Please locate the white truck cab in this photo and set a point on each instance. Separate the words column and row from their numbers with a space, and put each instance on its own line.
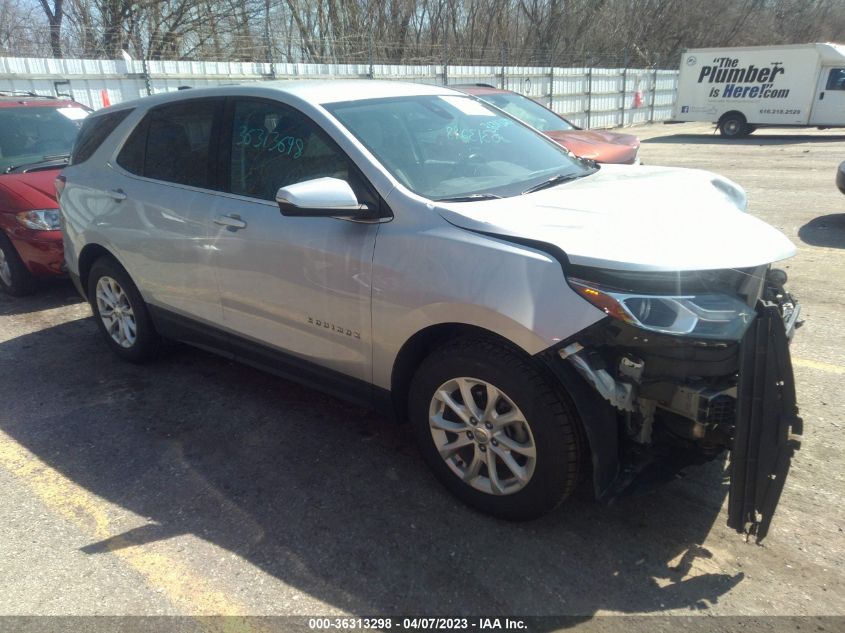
column 740, row 89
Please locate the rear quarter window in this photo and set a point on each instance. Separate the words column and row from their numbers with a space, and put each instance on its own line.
column 95, row 130
column 131, row 156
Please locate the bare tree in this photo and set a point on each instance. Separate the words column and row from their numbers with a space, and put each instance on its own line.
column 16, row 28
column 560, row 32
column 54, row 19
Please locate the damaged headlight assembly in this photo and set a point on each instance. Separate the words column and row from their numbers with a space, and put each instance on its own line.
column 703, row 316
column 692, row 364
column 699, row 309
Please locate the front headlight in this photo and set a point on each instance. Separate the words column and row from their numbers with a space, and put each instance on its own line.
column 708, row 316
column 40, row 219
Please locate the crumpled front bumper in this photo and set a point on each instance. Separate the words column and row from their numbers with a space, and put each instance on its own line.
column 753, row 414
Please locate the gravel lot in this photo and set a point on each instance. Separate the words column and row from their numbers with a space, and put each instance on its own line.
column 199, row 486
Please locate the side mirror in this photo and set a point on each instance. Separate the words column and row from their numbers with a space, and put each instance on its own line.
column 320, row 198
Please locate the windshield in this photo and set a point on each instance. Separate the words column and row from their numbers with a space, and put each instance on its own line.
column 454, row 146
column 33, row 134
column 528, row 110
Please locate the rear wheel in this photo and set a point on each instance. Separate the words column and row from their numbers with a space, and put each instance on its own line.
column 15, row 279
column 121, row 313
column 494, row 430
column 734, row 125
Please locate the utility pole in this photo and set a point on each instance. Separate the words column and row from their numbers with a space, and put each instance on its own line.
column 504, row 63
column 268, row 47
column 589, row 62
column 370, row 56
column 445, row 53
column 653, row 88
column 624, row 87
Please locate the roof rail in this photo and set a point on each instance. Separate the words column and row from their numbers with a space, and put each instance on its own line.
column 476, row 85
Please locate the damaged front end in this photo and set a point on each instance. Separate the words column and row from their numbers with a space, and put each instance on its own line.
column 690, row 365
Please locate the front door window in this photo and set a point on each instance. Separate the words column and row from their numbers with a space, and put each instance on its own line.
column 274, row 146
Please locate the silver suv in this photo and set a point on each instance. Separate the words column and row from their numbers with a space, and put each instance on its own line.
column 539, row 320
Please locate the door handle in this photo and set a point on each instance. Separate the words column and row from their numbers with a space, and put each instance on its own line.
column 231, row 222
column 821, row 96
column 118, row 195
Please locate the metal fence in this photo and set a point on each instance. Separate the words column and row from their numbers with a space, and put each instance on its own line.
column 589, row 97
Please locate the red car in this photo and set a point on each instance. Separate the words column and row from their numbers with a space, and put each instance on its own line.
column 601, row 146
column 36, row 135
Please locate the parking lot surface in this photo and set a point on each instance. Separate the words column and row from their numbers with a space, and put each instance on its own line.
column 195, row 485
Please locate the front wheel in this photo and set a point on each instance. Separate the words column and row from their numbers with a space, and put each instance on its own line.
column 495, row 431
column 121, row 313
column 15, row 279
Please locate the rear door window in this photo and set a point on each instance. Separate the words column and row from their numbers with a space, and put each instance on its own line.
column 175, row 143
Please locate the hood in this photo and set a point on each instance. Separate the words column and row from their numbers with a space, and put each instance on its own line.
column 634, row 218
column 33, row 190
column 604, row 147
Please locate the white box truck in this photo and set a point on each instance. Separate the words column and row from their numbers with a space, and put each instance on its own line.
column 741, row 89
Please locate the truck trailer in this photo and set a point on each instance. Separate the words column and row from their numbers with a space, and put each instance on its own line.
column 741, row 89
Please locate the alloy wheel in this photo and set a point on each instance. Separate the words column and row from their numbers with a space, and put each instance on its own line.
column 482, row 436
column 116, row 312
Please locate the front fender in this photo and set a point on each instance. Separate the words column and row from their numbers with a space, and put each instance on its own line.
column 449, row 275
column 386, row 349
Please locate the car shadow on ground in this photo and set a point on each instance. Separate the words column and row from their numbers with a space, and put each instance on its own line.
column 755, row 139
column 49, row 294
column 334, row 500
column 825, row 230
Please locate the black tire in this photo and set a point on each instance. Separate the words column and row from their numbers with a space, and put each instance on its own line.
column 551, row 417
column 734, row 125
column 19, row 281
column 147, row 344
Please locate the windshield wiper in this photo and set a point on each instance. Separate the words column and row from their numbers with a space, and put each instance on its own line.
column 472, row 197
column 556, row 180
column 56, row 158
